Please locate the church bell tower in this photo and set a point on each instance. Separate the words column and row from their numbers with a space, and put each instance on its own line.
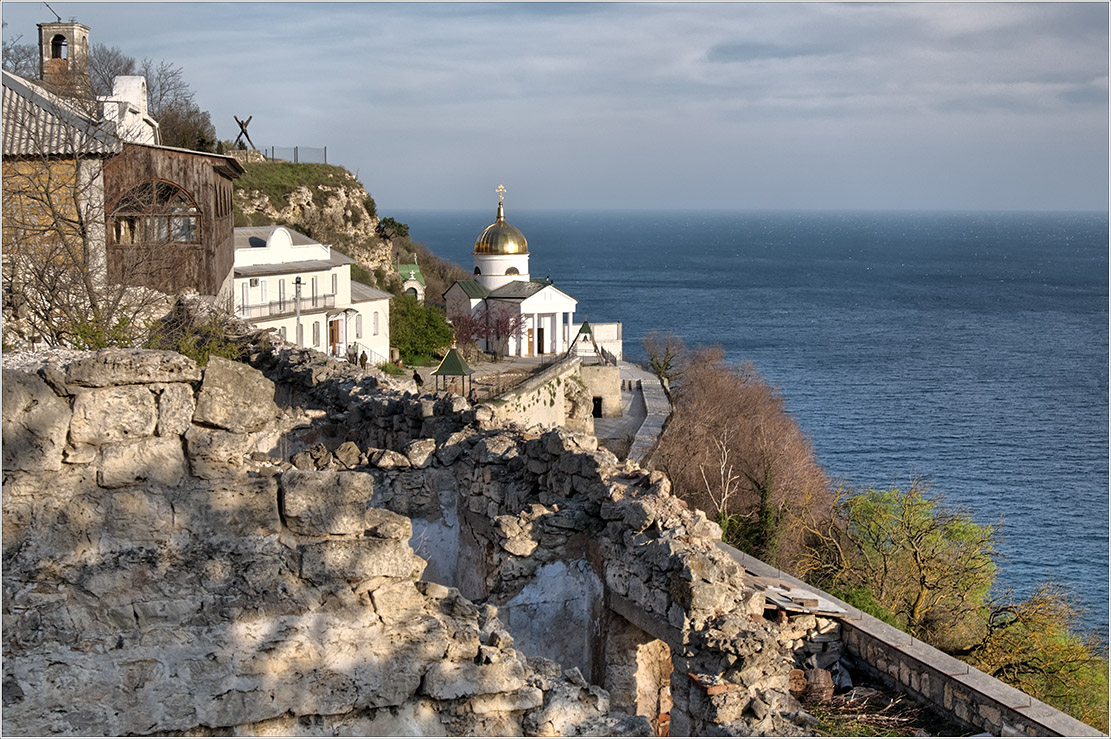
column 64, row 56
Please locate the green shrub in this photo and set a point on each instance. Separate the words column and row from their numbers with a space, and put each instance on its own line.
column 197, row 340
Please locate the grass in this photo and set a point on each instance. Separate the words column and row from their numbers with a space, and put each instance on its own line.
column 277, row 179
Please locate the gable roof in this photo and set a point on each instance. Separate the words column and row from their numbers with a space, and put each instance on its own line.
column 517, row 290
column 361, row 293
column 473, row 289
column 39, row 123
column 411, row 271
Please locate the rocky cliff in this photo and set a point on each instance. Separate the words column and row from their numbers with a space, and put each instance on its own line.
column 325, row 202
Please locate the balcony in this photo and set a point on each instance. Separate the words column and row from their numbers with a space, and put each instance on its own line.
column 287, row 307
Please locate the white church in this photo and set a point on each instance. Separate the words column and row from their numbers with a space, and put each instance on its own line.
column 502, row 287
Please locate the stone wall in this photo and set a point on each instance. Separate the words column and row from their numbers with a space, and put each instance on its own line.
column 555, row 396
column 604, row 382
column 308, row 551
column 951, row 687
column 164, row 573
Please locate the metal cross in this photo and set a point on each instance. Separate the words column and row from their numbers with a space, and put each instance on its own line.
column 501, row 193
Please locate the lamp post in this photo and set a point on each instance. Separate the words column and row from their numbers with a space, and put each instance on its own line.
column 297, row 308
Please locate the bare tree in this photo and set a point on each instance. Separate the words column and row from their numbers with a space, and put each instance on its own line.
column 729, row 421
column 665, row 354
column 21, row 59
column 56, row 282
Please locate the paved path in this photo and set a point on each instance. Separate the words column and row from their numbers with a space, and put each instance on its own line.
column 644, row 409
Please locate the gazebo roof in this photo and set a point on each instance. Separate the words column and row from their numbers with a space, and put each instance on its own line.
column 453, row 364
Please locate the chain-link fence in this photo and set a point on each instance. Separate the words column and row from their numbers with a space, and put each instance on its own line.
column 298, row 154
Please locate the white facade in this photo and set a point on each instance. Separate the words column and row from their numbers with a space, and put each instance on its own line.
column 287, row 282
column 127, row 108
column 495, row 270
column 548, row 325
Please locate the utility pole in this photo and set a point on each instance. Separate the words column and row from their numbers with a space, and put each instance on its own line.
column 297, row 307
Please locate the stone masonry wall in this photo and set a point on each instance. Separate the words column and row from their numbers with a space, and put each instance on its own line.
column 164, row 573
column 217, row 551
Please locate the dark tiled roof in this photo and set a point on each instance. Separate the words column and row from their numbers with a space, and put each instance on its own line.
column 473, row 289
column 517, row 290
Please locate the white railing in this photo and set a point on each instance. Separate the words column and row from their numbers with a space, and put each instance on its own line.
column 286, row 307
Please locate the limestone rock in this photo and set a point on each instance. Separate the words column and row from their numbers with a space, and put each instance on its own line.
column 159, row 460
column 111, row 414
column 387, row 459
column 419, row 452
column 131, row 367
column 176, row 405
column 235, row 397
column 323, row 503
column 447, row 680
column 355, row 560
column 348, row 454
column 35, row 425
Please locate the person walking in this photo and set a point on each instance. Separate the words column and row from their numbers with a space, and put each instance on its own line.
column 418, row 379
column 362, row 360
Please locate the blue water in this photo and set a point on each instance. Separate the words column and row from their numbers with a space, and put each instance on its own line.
column 969, row 349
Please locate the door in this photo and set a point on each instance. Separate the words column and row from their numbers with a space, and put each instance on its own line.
column 333, row 337
column 528, row 351
column 540, row 340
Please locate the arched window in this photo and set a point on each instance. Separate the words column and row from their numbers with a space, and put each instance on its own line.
column 512, row 271
column 58, row 47
column 477, row 271
column 411, row 291
column 155, row 212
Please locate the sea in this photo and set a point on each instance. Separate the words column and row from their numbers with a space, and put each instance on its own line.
column 967, row 350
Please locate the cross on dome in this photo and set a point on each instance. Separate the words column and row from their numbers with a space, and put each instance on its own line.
column 501, row 193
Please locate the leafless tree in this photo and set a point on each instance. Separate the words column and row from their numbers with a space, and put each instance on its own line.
column 729, row 421
column 56, row 282
column 665, row 353
column 21, row 59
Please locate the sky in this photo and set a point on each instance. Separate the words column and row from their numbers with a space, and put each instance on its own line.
column 745, row 106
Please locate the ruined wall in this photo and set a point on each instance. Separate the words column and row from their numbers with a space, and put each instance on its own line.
column 164, row 573
column 553, row 397
column 187, row 552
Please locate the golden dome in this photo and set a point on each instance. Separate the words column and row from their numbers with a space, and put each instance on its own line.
column 500, row 238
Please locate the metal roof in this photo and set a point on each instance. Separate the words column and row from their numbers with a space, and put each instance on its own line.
column 361, row 293
column 283, row 268
column 453, row 364
column 257, row 236
column 517, row 290
column 39, row 123
column 473, row 289
column 411, row 271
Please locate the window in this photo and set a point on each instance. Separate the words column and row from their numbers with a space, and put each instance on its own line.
column 359, row 326
column 375, row 323
column 335, row 283
column 245, row 295
column 512, row 271
column 58, row 47
column 155, row 212
column 477, row 271
column 316, row 333
column 300, row 335
column 314, row 290
column 281, row 291
column 262, row 291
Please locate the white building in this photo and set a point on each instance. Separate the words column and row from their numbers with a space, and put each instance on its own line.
column 286, row 281
column 502, row 287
